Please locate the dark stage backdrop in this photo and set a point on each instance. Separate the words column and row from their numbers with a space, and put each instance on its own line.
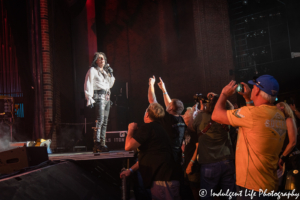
column 186, row 43
column 16, row 77
column 265, row 35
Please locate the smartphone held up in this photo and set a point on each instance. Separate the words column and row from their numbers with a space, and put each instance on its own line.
column 240, row 88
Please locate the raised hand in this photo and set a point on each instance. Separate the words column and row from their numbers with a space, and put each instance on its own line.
column 247, row 92
column 229, row 89
column 152, row 80
column 161, row 85
column 211, row 95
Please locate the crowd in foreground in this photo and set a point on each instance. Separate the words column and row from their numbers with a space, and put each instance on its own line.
column 216, row 156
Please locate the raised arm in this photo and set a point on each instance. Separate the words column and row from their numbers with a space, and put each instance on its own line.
column 162, row 86
column 219, row 114
column 151, row 91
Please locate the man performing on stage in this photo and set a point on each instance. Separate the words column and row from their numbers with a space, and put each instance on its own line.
column 98, row 81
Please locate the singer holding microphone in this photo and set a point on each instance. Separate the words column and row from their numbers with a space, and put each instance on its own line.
column 98, row 81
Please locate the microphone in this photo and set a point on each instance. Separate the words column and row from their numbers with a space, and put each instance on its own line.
column 108, row 69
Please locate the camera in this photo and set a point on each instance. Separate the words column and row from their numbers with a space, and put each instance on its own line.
column 200, row 97
column 240, row 88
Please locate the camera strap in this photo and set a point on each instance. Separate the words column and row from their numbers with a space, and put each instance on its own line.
column 225, row 127
column 206, row 128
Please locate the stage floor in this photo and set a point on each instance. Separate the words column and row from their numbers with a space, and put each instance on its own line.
column 90, row 155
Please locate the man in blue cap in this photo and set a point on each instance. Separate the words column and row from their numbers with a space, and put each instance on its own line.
column 262, row 131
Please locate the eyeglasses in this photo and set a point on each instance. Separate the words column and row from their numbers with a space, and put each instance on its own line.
column 255, row 81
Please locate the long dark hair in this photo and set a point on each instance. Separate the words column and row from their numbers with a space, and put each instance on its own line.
column 96, row 56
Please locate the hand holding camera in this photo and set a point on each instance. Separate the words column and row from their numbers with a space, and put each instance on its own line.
column 229, row 89
column 244, row 90
column 210, row 95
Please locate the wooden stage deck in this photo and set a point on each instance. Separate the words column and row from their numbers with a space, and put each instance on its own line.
column 90, row 155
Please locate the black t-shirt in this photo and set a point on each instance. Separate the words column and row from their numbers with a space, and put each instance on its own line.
column 155, row 156
column 190, row 138
column 175, row 128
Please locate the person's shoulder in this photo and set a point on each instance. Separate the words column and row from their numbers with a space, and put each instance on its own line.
column 93, row 69
column 242, row 112
column 155, row 123
column 157, row 126
column 245, row 109
column 205, row 114
column 167, row 116
column 267, row 108
column 273, row 110
column 199, row 114
column 145, row 125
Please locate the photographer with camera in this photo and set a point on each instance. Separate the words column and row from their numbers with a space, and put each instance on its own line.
column 262, row 129
column 216, row 155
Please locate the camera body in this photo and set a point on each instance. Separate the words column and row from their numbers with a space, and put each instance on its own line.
column 200, row 97
column 240, row 88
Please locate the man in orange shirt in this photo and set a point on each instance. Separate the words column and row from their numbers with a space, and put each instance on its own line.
column 262, row 131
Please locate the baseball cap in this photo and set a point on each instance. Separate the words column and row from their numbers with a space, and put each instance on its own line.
column 266, row 83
